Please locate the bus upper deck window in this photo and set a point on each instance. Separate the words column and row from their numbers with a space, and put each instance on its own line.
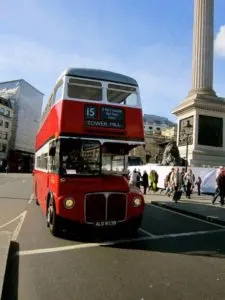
column 85, row 89
column 122, row 94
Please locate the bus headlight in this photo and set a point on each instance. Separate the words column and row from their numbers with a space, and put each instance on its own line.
column 137, row 202
column 69, row 203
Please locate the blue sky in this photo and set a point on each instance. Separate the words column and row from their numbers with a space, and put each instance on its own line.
column 150, row 40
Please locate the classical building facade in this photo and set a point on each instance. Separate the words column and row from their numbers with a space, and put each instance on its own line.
column 202, row 110
column 158, row 132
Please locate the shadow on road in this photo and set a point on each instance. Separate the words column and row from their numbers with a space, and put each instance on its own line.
column 10, row 287
column 209, row 245
column 96, row 236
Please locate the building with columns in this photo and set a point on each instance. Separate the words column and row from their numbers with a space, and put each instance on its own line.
column 203, row 111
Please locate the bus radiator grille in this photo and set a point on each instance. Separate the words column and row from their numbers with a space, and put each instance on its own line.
column 116, row 207
column 105, row 207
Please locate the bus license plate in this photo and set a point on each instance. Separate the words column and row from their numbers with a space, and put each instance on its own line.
column 105, row 223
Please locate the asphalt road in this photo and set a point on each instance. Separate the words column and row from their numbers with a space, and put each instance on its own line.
column 172, row 257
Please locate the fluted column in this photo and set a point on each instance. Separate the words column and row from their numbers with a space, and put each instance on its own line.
column 202, row 61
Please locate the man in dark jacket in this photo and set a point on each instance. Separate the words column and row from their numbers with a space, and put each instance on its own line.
column 221, row 186
column 145, row 181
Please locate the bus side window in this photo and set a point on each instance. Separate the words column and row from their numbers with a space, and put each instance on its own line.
column 58, row 94
column 54, row 157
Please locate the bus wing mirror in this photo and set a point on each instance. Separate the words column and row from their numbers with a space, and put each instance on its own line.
column 52, row 151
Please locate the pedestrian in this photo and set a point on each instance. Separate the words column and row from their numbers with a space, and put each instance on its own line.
column 221, row 186
column 177, row 186
column 145, row 181
column 189, row 180
column 171, row 182
column 138, row 181
column 217, row 191
column 133, row 177
column 182, row 180
column 198, row 183
column 177, row 180
column 7, row 169
column 153, row 180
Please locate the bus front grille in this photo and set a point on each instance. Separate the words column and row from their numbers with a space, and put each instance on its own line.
column 95, row 208
column 116, row 207
column 105, row 207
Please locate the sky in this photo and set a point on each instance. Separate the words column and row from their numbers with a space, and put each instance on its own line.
column 150, row 40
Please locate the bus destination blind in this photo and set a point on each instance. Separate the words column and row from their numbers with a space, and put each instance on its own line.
column 104, row 116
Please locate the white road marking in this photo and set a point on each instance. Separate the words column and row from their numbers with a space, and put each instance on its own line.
column 175, row 235
column 110, row 243
column 19, row 226
column 146, row 232
column 187, row 216
column 79, row 246
column 11, row 221
column 31, row 199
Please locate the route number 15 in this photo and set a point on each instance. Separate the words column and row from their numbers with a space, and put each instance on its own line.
column 90, row 112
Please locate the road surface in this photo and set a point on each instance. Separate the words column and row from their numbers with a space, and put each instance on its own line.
column 172, row 256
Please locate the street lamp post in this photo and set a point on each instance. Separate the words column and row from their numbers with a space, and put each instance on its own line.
column 188, row 132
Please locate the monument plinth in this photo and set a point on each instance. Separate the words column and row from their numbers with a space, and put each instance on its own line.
column 202, row 108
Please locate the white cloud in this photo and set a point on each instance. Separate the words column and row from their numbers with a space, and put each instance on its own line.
column 163, row 73
column 220, row 42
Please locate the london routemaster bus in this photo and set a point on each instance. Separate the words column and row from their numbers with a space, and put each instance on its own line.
column 92, row 120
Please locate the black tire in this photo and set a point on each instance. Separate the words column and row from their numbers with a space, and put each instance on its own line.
column 53, row 221
column 35, row 195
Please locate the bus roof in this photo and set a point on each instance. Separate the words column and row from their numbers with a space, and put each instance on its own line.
column 100, row 75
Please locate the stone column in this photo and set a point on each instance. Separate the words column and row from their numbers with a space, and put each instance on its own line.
column 202, row 61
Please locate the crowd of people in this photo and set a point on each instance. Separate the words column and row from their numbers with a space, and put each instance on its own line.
column 177, row 182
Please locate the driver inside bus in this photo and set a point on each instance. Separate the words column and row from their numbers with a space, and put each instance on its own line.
column 74, row 160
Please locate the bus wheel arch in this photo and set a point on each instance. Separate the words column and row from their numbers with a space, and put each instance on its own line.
column 53, row 221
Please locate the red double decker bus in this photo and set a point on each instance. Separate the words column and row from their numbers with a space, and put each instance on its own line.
column 92, row 120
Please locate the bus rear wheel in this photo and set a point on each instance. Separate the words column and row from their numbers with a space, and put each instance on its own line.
column 52, row 219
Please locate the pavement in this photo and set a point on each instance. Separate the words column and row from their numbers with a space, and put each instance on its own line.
column 5, row 238
column 198, row 206
column 173, row 256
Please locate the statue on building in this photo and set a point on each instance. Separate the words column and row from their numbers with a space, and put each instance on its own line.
column 171, row 155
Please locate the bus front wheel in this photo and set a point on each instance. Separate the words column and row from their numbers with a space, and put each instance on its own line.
column 52, row 219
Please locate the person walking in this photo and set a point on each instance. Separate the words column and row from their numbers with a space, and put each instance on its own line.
column 217, row 191
column 221, row 186
column 153, row 180
column 177, row 185
column 145, row 181
column 198, row 183
column 133, row 177
column 189, row 183
column 171, row 182
column 138, row 181
column 182, row 180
